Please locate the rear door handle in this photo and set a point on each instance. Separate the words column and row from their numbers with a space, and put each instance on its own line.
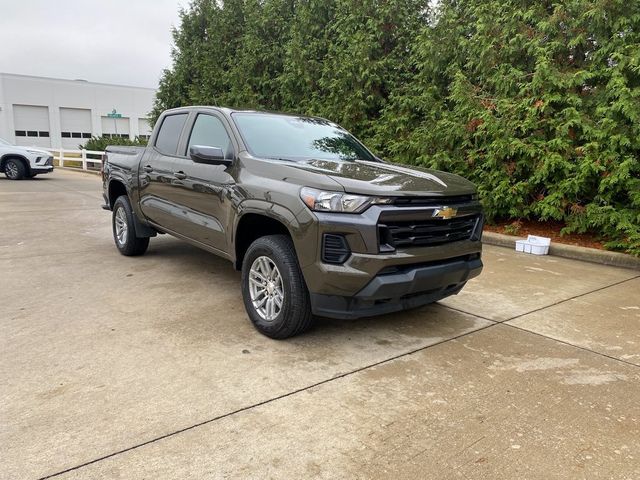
column 180, row 175
column 148, row 168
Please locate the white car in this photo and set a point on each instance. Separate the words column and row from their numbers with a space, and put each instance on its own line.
column 23, row 162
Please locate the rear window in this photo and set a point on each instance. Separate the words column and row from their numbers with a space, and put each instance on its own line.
column 169, row 134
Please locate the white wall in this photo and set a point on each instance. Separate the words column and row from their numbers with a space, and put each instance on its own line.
column 64, row 99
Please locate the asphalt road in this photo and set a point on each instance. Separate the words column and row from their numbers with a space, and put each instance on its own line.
column 131, row 368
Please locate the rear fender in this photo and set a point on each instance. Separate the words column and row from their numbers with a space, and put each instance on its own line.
column 142, row 228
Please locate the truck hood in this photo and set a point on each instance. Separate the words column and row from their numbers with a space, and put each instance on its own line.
column 388, row 179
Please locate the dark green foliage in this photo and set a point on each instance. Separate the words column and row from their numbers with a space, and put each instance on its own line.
column 99, row 144
column 538, row 102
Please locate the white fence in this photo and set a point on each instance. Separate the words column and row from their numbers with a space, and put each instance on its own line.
column 86, row 157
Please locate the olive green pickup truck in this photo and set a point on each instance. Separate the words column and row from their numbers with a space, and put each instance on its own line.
column 318, row 225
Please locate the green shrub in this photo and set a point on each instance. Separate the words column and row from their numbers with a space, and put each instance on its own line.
column 537, row 102
column 101, row 143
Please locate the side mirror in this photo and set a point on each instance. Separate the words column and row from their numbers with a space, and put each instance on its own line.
column 210, row 155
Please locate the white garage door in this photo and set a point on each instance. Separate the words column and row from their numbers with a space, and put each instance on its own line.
column 31, row 124
column 115, row 127
column 144, row 129
column 75, row 126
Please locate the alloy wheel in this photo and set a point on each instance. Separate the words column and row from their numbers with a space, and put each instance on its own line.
column 265, row 288
column 121, row 226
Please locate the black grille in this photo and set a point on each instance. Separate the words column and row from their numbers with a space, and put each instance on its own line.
column 49, row 161
column 428, row 201
column 334, row 249
column 418, row 233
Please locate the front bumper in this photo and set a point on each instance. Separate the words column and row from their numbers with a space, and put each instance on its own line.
column 44, row 169
column 409, row 287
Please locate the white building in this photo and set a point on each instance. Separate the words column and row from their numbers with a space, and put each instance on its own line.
column 56, row 113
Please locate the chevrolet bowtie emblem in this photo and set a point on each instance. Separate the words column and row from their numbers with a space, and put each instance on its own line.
column 445, row 212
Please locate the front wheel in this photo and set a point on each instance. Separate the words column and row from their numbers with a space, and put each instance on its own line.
column 273, row 288
column 14, row 169
column 124, row 229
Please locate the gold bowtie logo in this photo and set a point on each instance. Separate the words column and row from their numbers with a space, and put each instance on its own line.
column 445, row 212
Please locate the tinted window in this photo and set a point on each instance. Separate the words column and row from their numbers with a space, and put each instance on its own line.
column 210, row 132
column 169, row 134
column 298, row 138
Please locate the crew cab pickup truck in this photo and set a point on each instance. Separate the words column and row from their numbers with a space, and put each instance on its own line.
column 318, row 225
column 23, row 162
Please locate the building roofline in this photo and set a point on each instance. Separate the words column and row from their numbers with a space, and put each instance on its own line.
column 75, row 82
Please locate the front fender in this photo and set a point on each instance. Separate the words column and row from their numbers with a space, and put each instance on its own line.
column 301, row 225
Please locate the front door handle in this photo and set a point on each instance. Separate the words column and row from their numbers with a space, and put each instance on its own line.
column 180, row 175
column 148, row 168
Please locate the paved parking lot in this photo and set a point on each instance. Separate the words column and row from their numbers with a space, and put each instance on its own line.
column 131, row 368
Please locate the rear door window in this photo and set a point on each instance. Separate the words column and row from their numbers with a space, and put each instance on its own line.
column 169, row 134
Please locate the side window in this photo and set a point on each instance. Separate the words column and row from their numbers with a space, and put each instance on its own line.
column 209, row 131
column 169, row 134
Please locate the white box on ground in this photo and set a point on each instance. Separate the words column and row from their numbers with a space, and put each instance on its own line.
column 534, row 245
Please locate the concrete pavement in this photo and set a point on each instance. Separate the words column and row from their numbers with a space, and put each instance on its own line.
column 115, row 367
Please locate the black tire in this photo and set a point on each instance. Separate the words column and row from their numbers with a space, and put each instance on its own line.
column 15, row 169
column 128, row 243
column 294, row 316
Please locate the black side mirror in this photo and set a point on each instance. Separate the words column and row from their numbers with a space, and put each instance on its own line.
column 210, row 155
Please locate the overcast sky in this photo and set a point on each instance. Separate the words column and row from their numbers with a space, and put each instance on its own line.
column 126, row 42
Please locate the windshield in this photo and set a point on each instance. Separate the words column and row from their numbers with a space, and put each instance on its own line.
column 298, row 138
column 4, row 142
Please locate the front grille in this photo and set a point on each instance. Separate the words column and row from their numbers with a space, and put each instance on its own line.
column 334, row 249
column 49, row 161
column 420, row 233
column 429, row 201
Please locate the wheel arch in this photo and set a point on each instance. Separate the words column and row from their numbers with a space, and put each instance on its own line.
column 116, row 188
column 15, row 156
column 253, row 224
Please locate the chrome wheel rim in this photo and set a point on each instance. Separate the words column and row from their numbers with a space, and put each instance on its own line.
column 121, row 226
column 265, row 288
column 12, row 169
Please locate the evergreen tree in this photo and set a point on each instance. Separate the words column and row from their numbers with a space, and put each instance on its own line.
column 537, row 102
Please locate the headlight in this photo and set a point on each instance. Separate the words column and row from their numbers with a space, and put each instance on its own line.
column 321, row 201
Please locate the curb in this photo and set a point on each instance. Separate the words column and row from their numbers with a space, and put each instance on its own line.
column 74, row 169
column 604, row 257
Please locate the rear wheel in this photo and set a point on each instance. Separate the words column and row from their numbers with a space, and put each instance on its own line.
column 124, row 229
column 15, row 169
column 273, row 288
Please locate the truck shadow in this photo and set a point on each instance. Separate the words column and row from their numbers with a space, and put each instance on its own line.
column 432, row 323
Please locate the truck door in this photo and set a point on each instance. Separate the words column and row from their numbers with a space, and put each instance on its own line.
column 156, row 172
column 199, row 190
